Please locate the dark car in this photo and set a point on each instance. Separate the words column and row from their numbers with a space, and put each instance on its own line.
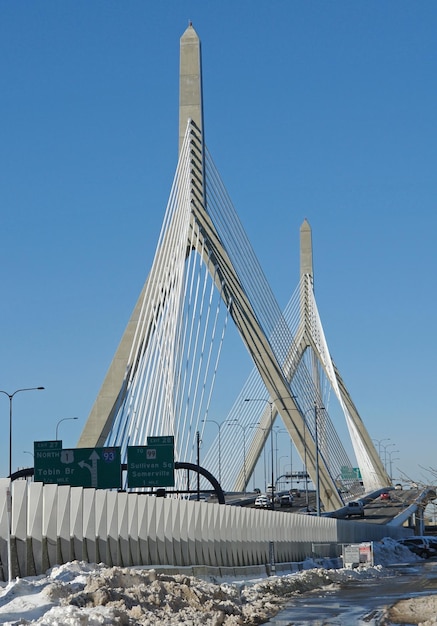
column 432, row 541
column 424, row 547
column 286, row 500
column 355, row 508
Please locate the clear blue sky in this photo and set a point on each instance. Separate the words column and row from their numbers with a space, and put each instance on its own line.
column 317, row 110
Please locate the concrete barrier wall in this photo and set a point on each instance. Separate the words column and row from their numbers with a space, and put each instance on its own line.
column 53, row 524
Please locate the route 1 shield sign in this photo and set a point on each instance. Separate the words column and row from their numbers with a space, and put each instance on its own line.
column 78, row 467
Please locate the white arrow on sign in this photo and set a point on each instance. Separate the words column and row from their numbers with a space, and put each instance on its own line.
column 94, row 457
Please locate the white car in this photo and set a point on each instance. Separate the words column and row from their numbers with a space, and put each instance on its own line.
column 262, row 502
column 424, row 547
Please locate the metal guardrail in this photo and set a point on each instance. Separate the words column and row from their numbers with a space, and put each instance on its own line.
column 420, row 502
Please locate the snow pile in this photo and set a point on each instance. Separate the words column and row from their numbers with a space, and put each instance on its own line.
column 421, row 611
column 388, row 552
column 83, row 594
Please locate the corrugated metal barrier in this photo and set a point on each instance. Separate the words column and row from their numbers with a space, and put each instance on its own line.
column 53, row 524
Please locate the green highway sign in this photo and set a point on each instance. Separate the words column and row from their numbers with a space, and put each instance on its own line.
column 47, row 455
column 350, row 473
column 166, row 440
column 357, row 472
column 151, row 465
column 47, row 445
column 80, row 467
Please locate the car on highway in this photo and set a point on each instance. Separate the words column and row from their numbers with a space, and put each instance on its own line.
column 355, row 508
column 308, row 510
column 432, row 541
column 424, row 547
column 286, row 500
column 385, row 495
column 262, row 502
column 276, row 498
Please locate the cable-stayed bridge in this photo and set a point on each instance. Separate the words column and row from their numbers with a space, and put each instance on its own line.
column 205, row 277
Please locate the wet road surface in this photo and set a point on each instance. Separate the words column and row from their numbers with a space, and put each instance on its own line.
column 359, row 603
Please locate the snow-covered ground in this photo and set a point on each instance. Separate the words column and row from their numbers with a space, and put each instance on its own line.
column 82, row 594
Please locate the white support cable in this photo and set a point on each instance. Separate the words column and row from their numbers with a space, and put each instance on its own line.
column 361, row 452
column 175, row 359
column 328, row 439
column 206, row 352
column 241, row 253
column 196, row 391
column 219, row 350
column 140, row 356
column 159, row 260
column 187, row 316
column 193, row 344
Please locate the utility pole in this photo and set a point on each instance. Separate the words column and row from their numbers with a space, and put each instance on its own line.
column 198, row 465
column 317, row 460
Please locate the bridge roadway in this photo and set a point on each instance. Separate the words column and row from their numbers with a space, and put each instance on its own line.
column 380, row 511
column 376, row 510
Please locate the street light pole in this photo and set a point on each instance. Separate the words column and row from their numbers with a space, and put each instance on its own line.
column 316, row 442
column 63, row 420
column 219, row 447
column 271, row 441
column 379, row 442
column 305, row 460
column 198, row 464
column 11, row 396
column 391, row 462
column 389, row 445
column 276, row 431
column 317, row 460
column 264, row 455
column 243, row 428
column 279, row 471
column 278, row 463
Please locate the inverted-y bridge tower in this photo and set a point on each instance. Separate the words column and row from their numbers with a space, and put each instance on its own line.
column 316, row 382
column 162, row 376
column 311, row 337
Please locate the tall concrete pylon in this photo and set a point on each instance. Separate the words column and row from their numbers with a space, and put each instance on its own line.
column 309, row 336
column 113, row 389
column 365, row 451
column 205, row 239
column 190, row 83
